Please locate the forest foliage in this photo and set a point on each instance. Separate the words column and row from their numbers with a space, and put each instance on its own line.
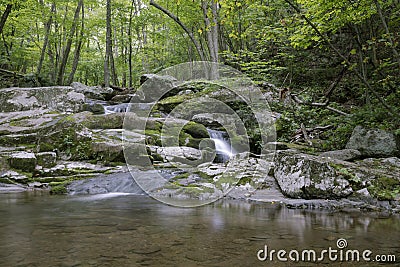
column 344, row 53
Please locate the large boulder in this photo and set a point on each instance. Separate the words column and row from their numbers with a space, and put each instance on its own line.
column 154, row 86
column 60, row 98
column 374, row 142
column 108, row 151
column 306, row 176
column 176, row 154
column 92, row 92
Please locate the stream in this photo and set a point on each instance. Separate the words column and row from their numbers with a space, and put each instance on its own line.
column 131, row 229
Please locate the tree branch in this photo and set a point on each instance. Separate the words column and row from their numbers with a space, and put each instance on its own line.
column 5, row 16
column 346, row 60
column 315, row 104
column 177, row 20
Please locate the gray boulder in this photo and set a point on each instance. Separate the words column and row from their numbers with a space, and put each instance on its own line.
column 154, row 86
column 60, row 98
column 344, row 154
column 176, row 154
column 306, row 176
column 374, row 142
column 92, row 92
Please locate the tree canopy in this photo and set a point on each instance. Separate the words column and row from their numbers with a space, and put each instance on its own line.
column 343, row 50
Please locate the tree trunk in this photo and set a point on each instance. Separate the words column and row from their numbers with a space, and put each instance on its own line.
column 5, row 16
column 61, row 71
column 183, row 26
column 385, row 26
column 78, row 48
column 108, row 46
column 46, row 39
column 114, row 47
column 211, row 29
column 211, row 70
column 130, row 48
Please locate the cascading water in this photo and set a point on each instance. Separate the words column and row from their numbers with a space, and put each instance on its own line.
column 223, row 148
column 120, row 108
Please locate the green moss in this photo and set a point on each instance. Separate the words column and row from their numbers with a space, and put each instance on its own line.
column 46, row 147
column 196, row 130
column 6, row 181
column 154, row 125
column 157, row 157
column 194, row 191
column 385, row 188
column 153, row 137
column 302, row 148
column 204, row 176
column 181, row 176
column 245, row 180
column 354, row 181
column 58, row 190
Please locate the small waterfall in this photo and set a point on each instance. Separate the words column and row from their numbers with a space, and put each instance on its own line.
column 120, row 108
column 223, row 148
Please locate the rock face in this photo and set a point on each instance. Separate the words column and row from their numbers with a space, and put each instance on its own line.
column 307, row 176
column 154, row 85
column 374, row 142
column 60, row 98
column 93, row 92
column 176, row 154
column 344, row 154
column 46, row 159
column 24, row 161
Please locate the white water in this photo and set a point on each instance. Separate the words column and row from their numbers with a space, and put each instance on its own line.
column 223, row 148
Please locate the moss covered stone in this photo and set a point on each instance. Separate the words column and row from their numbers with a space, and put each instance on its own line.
column 196, row 130
column 385, row 188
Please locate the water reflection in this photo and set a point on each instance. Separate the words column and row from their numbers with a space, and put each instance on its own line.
column 129, row 230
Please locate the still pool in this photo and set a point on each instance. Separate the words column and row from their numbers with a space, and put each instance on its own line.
column 37, row 229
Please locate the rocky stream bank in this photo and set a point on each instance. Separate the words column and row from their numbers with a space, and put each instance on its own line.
column 71, row 140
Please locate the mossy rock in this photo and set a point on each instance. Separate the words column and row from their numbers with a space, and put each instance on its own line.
column 95, row 108
column 153, row 137
column 109, row 121
column 196, row 130
column 59, row 189
column 385, row 188
column 154, row 125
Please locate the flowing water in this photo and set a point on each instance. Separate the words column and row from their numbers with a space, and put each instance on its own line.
column 122, row 229
column 223, row 147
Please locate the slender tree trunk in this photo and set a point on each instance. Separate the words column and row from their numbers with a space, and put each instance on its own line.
column 61, row 71
column 78, row 48
column 5, row 16
column 211, row 28
column 215, row 30
column 183, row 26
column 108, row 46
column 212, row 37
column 46, row 39
column 130, row 48
column 114, row 55
column 392, row 45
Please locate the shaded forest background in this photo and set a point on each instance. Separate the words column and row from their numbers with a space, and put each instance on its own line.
column 336, row 62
